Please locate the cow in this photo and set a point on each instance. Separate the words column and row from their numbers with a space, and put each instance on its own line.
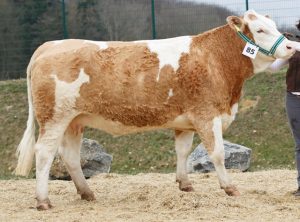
column 187, row 84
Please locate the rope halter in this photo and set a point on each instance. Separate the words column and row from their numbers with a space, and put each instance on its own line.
column 270, row 52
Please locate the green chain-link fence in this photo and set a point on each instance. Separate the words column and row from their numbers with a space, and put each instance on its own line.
column 24, row 25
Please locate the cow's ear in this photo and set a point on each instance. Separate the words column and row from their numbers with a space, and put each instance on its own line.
column 236, row 22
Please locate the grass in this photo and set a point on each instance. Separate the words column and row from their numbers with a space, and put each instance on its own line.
column 13, row 117
column 263, row 128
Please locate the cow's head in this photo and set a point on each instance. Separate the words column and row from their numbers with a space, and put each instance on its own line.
column 264, row 32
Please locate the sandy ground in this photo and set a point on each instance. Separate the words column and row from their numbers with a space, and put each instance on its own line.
column 266, row 196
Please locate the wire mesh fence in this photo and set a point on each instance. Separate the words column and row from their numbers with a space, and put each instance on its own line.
column 24, row 25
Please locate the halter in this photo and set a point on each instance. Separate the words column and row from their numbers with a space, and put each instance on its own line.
column 270, row 52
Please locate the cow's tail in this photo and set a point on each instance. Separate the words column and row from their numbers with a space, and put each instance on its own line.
column 25, row 150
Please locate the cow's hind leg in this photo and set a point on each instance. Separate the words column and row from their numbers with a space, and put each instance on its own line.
column 211, row 134
column 183, row 144
column 45, row 150
column 70, row 153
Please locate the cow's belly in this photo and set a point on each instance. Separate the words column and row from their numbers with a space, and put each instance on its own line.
column 116, row 128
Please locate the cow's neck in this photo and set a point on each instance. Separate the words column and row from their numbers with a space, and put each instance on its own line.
column 220, row 51
column 261, row 62
column 223, row 49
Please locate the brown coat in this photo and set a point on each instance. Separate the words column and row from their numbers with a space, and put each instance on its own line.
column 189, row 83
column 122, row 83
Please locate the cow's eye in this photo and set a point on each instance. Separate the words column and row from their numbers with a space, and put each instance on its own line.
column 260, row 31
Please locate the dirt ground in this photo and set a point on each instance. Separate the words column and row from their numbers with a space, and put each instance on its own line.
column 266, row 196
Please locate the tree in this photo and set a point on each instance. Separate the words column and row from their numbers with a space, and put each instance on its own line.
column 30, row 11
column 28, row 23
column 176, row 18
column 126, row 20
column 49, row 24
column 11, row 60
column 89, row 25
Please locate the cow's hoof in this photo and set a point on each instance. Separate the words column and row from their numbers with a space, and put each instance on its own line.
column 44, row 205
column 89, row 196
column 186, row 187
column 232, row 191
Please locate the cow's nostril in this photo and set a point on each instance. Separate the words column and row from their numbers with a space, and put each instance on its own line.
column 288, row 47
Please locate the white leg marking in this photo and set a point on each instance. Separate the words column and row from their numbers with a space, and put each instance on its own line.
column 48, row 143
column 44, row 158
column 228, row 119
column 218, row 154
column 183, row 145
column 70, row 153
column 234, row 110
column 45, row 150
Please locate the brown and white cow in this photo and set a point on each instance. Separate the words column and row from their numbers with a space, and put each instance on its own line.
column 188, row 84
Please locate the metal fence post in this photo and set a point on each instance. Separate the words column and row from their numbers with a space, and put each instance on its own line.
column 153, row 19
column 63, row 9
column 247, row 5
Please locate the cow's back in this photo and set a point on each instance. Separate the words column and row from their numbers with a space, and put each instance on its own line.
column 143, row 83
column 122, row 86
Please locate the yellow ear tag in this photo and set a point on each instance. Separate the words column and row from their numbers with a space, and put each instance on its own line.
column 237, row 28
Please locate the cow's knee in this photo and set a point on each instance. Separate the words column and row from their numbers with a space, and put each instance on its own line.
column 218, row 157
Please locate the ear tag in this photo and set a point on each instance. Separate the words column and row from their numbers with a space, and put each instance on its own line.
column 250, row 50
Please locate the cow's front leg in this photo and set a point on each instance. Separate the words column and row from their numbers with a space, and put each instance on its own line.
column 211, row 134
column 218, row 158
column 183, row 144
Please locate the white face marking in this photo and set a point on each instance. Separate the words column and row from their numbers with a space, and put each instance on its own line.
column 169, row 50
column 66, row 93
column 101, row 45
column 264, row 30
column 265, row 34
